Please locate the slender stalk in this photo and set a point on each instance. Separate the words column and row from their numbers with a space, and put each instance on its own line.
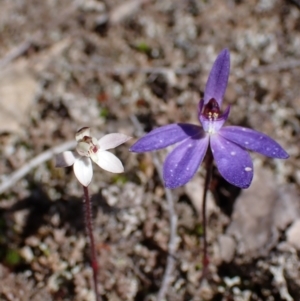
column 89, row 229
column 209, row 165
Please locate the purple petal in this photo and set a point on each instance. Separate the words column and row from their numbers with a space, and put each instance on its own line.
column 165, row 136
column 183, row 162
column 200, row 107
column 233, row 162
column 254, row 141
column 218, row 78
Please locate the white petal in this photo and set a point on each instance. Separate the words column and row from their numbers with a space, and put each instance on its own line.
column 65, row 159
column 82, row 132
column 112, row 140
column 83, row 170
column 108, row 161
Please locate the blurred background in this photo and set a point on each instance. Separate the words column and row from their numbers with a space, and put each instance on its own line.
column 104, row 64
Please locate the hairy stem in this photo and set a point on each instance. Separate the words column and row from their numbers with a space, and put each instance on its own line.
column 89, row 229
column 209, row 165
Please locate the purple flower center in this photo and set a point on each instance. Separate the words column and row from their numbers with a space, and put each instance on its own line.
column 211, row 110
column 210, row 116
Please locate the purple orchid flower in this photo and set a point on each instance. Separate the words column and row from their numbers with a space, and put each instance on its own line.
column 228, row 144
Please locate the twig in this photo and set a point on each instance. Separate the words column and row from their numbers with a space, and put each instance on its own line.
column 133, row 69
column 125, row 10
column 24, row 170
column 172, row 239
column 173, row 225
column 281, row 66
column 15, row 53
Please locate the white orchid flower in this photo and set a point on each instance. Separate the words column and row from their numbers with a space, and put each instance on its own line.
column 88, row 148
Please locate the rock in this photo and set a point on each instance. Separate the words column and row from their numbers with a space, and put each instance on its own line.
column 194, row 190
column 252, row 223
column 18, row 89
column 260, row 212
column 287, row 206
column 227, row 247
column 293, row 234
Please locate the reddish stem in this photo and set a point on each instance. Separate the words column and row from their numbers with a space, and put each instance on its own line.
column 89, row 229
column 209, row 165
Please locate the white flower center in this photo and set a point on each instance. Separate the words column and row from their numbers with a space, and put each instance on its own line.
column 87, row 146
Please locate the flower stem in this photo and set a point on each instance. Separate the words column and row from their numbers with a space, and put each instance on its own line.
column 89, row 229
column 209, row 165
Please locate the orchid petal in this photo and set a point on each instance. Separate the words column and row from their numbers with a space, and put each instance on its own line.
column 112, row 140
column 108, row 161
column 200, row 107
column 226, row 113
column 182, row 163
column 165, row 136
column 85, row 131
column 218, row 78
column 233, row 162
column 83, row 170
column 254, row 141
column 65, row 159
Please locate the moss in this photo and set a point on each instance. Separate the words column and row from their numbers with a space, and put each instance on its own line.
column 12, row 257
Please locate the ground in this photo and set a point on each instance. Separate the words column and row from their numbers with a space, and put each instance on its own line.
column 130, row 66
